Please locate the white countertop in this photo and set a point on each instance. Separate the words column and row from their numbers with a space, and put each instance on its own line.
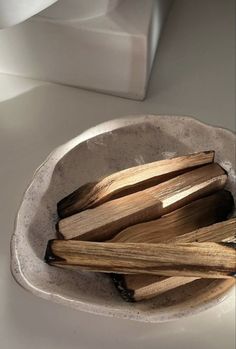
column 194, row 74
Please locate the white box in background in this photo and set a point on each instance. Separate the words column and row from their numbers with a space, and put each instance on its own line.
column 110, row 51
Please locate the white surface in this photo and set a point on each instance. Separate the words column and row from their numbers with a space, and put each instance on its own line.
column 16, row 11
column 195, row 75
column 111, row 53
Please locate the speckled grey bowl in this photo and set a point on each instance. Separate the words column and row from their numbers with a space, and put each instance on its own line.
column 104, row 149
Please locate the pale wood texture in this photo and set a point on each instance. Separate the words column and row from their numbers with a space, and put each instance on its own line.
column 139, row 287
column 129, row 181
column 105, row 221
column 197, row 214
column 136, row 287
column 206, row 259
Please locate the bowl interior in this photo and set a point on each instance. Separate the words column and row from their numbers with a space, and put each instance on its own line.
column 148, row 140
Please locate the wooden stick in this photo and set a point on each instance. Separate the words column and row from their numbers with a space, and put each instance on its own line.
column 197, row 214
column 105, row 221
column 139, row 287
column 129, row 181
column 207, row 259
column 136, row 287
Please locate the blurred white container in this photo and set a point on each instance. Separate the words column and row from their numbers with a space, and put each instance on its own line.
column 79, row 9
column 16, row 11
column 105, row 45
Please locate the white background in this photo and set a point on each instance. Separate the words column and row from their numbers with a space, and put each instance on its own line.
column 194, row 74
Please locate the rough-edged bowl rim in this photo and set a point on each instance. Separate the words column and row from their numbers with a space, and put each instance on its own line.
column 57, row 154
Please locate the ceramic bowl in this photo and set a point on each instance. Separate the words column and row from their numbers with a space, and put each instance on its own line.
column 100, row 151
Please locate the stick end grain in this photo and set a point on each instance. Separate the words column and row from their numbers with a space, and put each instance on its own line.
column 120, row 284
column 50, row 257
column 58, row 233
column 76, row 201
column 211, row 153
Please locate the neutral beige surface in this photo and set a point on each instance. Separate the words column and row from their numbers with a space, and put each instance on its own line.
column 194, row 74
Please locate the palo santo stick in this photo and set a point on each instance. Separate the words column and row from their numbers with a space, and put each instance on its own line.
column 129, row 181
column 206, row 259
column 197, row 214
column 139, row 287
column 136, row 287
column 103, row 222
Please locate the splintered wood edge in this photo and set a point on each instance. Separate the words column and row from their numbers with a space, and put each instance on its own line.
column 221, row 203
column 85, row 225
column 87, row 196
column 120, row 281
column 219, row 262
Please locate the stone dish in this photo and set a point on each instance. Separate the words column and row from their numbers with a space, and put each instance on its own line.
column 104, row 149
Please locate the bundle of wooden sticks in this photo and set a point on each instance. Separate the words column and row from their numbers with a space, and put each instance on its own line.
column 153, row 227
